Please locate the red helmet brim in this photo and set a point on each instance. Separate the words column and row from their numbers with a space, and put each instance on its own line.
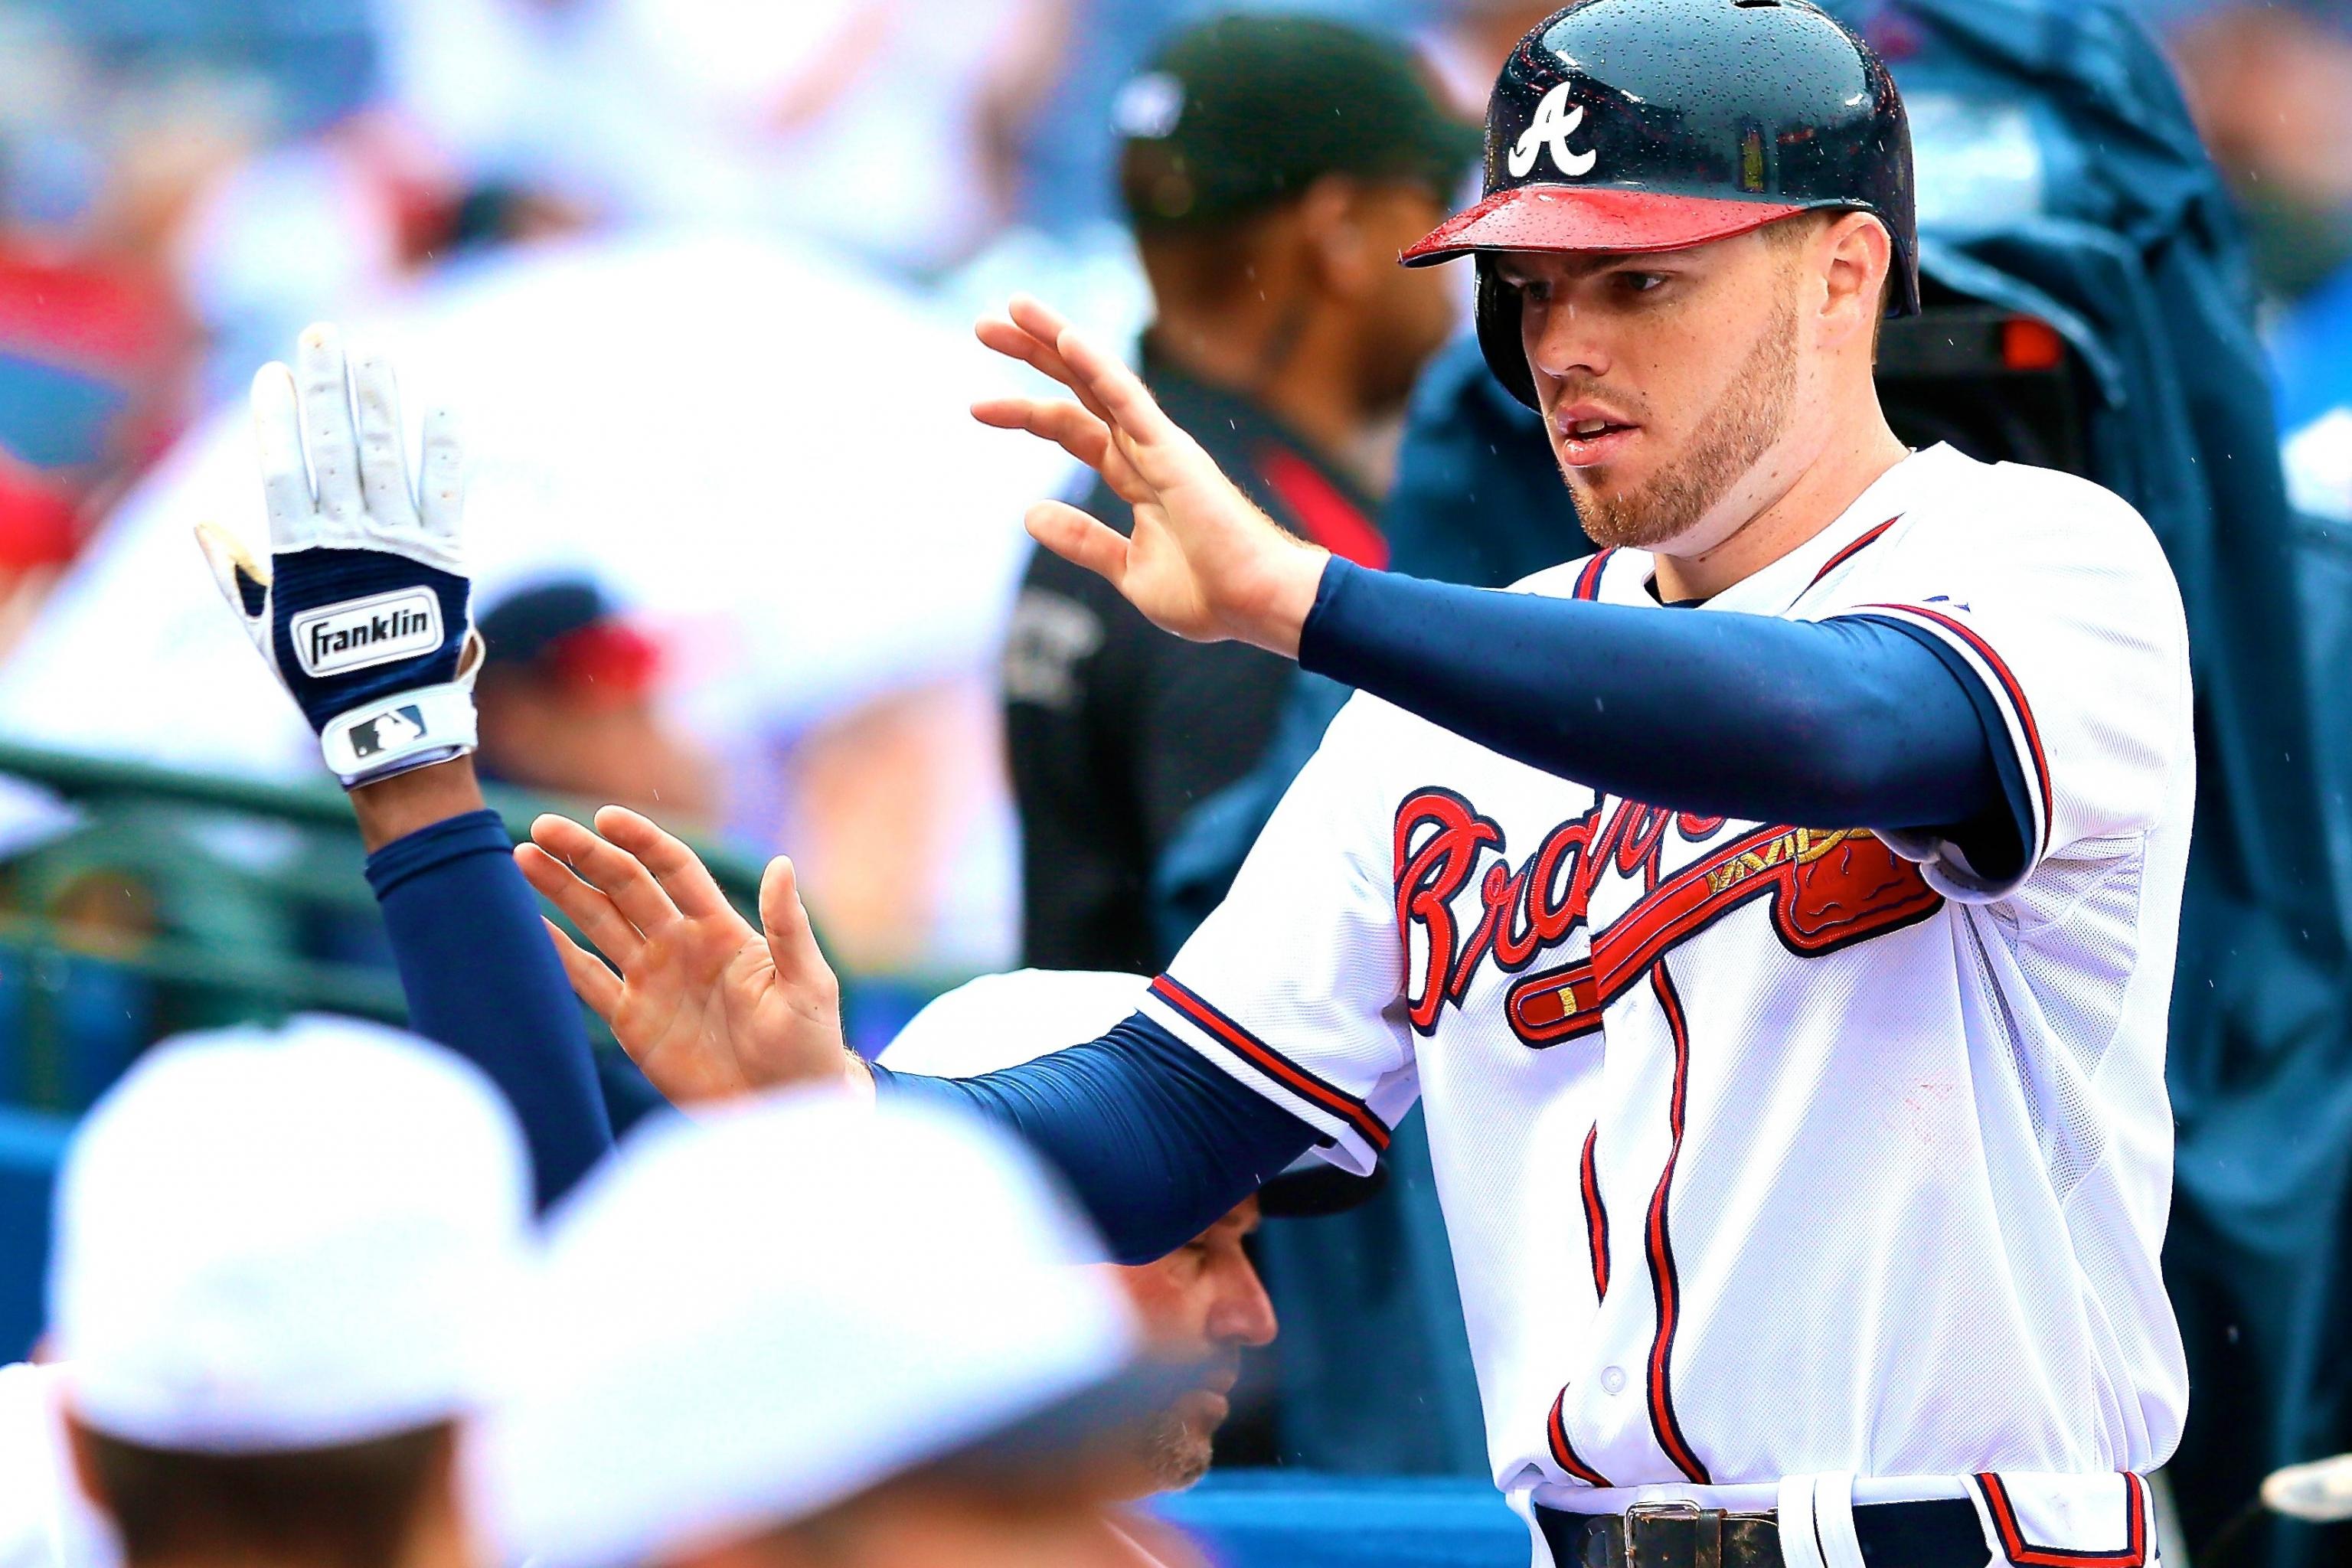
column 1591, row 217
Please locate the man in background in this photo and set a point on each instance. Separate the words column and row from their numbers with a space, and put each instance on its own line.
column 569, row 702
column 1272, row 169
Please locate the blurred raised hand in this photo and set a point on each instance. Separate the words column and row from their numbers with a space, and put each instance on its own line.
column 1204, row 562
column 705, row 1006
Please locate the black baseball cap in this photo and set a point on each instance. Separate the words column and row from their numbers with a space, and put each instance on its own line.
column 1240, row 113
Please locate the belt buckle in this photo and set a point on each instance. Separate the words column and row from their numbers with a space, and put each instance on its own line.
column 1653, row 1532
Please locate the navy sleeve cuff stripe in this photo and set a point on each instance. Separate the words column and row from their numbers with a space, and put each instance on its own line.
column 2014, row 692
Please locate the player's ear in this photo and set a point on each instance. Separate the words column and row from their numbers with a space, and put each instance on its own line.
column 1346, row 260
column 1855, row 257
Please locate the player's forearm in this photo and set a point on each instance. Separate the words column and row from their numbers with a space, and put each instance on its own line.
column 1155, row 1141
column 1835, row 723
column 394, row 807
column 475, row 965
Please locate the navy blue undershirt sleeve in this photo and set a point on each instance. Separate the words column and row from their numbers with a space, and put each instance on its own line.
column 482, row 979
column 1156, row 1143
column 1853, row 721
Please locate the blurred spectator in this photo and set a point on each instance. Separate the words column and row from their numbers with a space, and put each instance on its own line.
column 98, row 168
column 807, row 1330
column 884, row 127
column 1273, row 168
column 1469, row 42
column 771, row 455
column 2272, row 88
column 1069, row 163
column 567, row 701
column 282, row 1274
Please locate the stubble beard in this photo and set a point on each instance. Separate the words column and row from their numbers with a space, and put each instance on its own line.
column 1175, row 1455
column 1734, row 435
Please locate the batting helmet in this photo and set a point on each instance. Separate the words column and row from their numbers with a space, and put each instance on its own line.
column 1641, row 125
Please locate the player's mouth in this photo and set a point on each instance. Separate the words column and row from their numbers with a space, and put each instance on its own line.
column 1203, row 1411
column 1590, row 436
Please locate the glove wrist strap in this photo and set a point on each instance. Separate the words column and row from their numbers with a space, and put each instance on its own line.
column 395, row 734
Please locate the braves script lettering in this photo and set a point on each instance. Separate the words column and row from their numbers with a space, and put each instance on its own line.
column 1829, row 888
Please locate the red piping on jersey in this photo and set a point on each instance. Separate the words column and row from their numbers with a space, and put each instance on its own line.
column 1322, row 509
column 1596, row 1218
column 1662, row 1279
column 2015, row 1547
column 1272, row 1063
column 2009, row 684
column 1588, row 582
column 1563, row 1453
column 1850, row 551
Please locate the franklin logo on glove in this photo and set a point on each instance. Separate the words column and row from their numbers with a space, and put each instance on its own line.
column 358, row 632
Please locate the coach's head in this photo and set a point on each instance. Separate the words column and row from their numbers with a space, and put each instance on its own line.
column 1697, row 213
column 1203, row 1302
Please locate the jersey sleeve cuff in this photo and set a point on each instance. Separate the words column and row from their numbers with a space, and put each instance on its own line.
column 1354, row 1134
column 2024, row 762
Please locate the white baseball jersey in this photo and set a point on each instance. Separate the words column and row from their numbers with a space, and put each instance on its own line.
column 1768, row 1150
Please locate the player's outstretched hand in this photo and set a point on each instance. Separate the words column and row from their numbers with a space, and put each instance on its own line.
column 705, row 1006
column 1204, row 562
column 361, row 609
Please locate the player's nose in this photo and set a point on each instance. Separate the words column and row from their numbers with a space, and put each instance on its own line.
column 1243, row 1313
column 1563, row 342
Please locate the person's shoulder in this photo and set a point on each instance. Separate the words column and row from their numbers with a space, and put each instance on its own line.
column 1994, row 523
column 2016, row 502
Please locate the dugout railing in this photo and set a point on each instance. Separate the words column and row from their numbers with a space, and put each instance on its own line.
column 139, row 901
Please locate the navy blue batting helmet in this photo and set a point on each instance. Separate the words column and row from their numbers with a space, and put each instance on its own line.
column 1646, row 125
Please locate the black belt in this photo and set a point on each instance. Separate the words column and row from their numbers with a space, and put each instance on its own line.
column 1943, row 1534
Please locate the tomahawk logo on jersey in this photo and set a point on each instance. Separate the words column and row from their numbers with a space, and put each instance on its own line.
column 1777, row 1149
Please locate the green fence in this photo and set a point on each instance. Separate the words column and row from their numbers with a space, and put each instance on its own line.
column 183, row 900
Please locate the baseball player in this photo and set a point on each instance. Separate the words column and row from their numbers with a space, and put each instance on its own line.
column 1774, row 911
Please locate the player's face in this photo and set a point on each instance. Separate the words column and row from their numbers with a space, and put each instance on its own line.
column 1203, row 1301
column 1668, row 382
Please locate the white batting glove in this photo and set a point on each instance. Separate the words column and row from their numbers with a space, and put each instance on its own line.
column 365, row 611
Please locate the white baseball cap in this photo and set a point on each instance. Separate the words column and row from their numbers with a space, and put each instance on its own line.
column 1000, row 1021
column 1003, row 1020
column 276, row 1241
column 746, row 1319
